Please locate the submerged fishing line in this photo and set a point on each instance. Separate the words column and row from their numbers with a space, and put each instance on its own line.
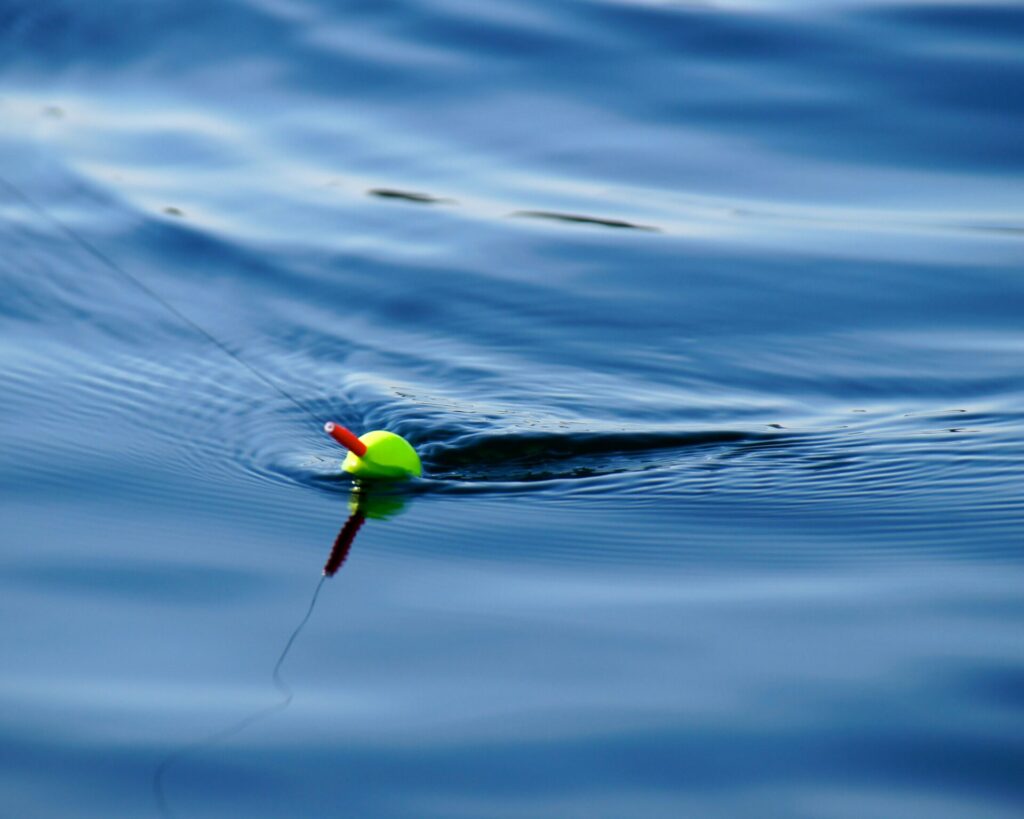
column 110, row 264
column 211, row 741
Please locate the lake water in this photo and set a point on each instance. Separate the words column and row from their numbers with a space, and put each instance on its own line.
column 707, row 319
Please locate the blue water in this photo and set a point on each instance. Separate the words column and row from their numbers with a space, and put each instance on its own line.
column 707, row 319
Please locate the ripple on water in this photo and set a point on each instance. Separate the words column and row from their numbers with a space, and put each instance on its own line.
column 657, row 422
column 705, row 317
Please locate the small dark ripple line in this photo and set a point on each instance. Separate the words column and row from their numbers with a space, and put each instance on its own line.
column 110, row 264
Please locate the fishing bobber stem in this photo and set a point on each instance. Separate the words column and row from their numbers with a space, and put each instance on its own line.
column 376, row 454
column 346, row 438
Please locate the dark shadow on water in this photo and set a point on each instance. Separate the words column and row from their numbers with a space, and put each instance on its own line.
column 564, row 454
column 409, row 196
column 556, row 216
column 584, row 220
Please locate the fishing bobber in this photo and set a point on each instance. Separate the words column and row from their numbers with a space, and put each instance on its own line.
column 376, row 454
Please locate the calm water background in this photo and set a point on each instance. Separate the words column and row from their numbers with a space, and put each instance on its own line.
column 723, row 514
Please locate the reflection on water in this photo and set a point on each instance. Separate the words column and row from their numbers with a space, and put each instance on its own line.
column 365, row 501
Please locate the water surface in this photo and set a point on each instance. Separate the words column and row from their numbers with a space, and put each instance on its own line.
column 706, row 319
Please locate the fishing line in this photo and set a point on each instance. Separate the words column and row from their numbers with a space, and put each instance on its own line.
column 110, row 264
column 211, row 741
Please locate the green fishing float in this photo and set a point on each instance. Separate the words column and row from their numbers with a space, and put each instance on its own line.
column 376, row 455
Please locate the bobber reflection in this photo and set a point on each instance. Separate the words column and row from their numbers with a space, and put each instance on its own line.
column 365, row 502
